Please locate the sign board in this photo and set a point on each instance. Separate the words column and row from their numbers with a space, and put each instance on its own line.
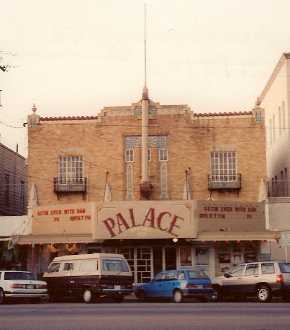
column 230, row 216
column 63, row 219
column 145, row 220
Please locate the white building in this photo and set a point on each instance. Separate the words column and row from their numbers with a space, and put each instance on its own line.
column 274, row 104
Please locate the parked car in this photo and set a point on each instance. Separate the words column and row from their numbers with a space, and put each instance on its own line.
column 260, row 279
column 176, row 285
column 89, row 277
column 21, row 284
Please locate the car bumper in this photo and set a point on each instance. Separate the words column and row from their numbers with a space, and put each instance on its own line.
column 25, row 295
column 210, row 293
column 116, row 291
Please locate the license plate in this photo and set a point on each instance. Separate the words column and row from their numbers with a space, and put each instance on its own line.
column 117, row 287
column 29, row 286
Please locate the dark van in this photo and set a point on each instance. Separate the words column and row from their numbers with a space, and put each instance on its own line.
column 89, row 277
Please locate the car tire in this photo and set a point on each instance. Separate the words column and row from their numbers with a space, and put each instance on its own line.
column 264, row 294
column 88, row 296
column 177, row 296
column 2, row 296
column 219, row 296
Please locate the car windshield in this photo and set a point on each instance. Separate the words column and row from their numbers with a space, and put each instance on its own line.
column 285, row 267
column 197, row 273
column 115, row 265
column 19, row 276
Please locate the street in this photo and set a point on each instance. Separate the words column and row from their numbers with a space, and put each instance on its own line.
column 134, row 315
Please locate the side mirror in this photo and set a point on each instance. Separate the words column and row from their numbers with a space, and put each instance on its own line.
column 227, row 275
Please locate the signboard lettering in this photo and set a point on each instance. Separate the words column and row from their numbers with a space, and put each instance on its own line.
column 163, row 221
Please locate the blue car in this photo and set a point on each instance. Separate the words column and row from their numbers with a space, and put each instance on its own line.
column 177, row 285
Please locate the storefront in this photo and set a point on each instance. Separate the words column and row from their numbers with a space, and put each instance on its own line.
column 152, row 235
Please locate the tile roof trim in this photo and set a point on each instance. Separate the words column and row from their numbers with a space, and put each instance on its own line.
column 207, row 114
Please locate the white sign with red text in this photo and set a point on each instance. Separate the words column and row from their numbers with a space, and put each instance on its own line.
column 145, row 220
column 63, row 219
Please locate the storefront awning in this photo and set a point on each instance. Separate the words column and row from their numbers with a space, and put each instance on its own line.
column 237, row 236
column 51, row 239
column 11, row 226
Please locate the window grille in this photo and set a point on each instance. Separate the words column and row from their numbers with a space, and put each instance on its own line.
column 71, row 169
column 223, row 166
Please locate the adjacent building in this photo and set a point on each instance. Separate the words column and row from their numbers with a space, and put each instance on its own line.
column 161, row 184
column 274, row 102
column 13, row 200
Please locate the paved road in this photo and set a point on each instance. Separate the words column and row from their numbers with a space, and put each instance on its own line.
column 71, row 316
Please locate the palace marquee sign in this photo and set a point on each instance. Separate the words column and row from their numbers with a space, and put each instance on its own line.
column 145, row 220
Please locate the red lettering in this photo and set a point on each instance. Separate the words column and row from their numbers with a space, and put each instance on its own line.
column 174, row 225
column 150, row 218
column 132, row 217
column 159, row 219
column 121, row 222
column 110, row 224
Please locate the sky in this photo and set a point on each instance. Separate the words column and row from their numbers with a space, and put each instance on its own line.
column 73, row 57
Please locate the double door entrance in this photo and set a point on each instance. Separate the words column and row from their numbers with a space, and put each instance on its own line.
column 146, row 262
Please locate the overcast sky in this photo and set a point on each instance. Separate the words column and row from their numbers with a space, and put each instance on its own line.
column 73, row 57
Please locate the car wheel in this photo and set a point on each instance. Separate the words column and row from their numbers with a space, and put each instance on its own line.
column 219, row 296
column 264, row 293
column 177, row 296
column 88, row 296
column 2, row 296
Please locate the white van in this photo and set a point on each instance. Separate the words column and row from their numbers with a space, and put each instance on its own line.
column 89, row 277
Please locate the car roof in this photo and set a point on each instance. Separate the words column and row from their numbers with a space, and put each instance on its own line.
column 87, row 256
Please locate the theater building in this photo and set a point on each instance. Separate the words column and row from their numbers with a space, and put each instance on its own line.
column 161, row 184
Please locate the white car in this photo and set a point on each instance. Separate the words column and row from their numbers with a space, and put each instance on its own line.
column 21, row 284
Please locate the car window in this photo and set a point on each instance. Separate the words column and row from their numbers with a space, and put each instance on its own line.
column 18, row 276
column 115, row 265
column 267, row 268
column 54, row 267
column 171, row 275
column 68, row 266
column 160, row 277
column 180, row 276
column 252, row 269
column 198, row 273
column 237, row 271
column 284, row 267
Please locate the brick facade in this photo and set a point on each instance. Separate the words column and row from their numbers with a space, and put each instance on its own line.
column 190, row 140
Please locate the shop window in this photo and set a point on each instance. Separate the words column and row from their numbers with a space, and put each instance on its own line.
column 223, row 166
column 185, row 256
